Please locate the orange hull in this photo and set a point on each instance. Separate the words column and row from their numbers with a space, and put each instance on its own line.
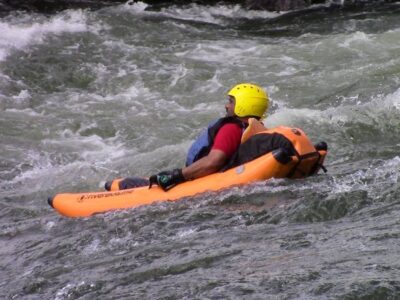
column 87, row 204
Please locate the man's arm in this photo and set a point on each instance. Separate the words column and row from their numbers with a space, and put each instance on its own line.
column 209, row 164
column 225, row 143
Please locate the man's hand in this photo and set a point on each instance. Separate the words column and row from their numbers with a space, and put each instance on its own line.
column 167, row 179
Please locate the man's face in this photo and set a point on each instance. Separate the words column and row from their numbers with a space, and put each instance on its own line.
column 230, row 106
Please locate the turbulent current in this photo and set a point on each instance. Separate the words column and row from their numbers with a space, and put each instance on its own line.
column 91, row 95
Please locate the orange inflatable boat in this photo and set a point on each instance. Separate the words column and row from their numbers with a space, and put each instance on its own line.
column 276, row 164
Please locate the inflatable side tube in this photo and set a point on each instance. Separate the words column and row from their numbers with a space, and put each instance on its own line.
column 87, row 204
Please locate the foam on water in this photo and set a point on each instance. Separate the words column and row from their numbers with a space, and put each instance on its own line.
column 216, row 14
column 373, row 109
column 82, row 159
column 135, row 6
column 390, row 101
column 376, row 177
column 225, row 52
column 185, row 233
column 74, row 289
column 20, row 36
column 93, row 247
column 343, row 113
column 356, row 38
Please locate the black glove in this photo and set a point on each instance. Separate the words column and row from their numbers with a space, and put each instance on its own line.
column 167, row 179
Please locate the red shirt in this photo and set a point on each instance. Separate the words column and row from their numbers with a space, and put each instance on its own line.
column 228, row 139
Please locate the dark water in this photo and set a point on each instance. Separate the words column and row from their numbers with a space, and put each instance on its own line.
column 86, row 96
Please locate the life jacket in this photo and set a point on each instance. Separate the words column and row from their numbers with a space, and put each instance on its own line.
column 202, row 145
column 258, row 140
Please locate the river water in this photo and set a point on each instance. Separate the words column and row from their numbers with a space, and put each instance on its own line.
column 90, row 95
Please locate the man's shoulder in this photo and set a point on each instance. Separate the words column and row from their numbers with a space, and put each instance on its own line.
column 230, row 132
column 231, row 127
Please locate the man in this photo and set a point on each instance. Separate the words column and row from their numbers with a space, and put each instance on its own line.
column 217, row 144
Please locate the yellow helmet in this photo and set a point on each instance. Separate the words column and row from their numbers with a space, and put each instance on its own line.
column 251, row 100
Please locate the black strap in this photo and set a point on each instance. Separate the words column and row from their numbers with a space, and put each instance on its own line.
column 300, row 159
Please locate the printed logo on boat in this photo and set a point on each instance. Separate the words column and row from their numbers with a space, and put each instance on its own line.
column 82, row 198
